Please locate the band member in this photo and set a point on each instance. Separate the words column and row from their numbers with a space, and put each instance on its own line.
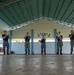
column 5, row 37
column 43, row 45
column 59, row 38
column 71, row 36
column 27, row 44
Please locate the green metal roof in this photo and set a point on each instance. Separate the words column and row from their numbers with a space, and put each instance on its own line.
column 17, row 12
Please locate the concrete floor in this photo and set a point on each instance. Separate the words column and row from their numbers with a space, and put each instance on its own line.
column 37, row 65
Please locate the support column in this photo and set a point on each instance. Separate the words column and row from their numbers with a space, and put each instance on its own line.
column 10, row 41
column 55, row 31
column 32, row 41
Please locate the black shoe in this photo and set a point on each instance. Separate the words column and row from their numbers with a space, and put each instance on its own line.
column 61, row 53
column 45, row 53
column 25, row 53
column 7, row 53
column 70, row 53
column 28, row 53
column 57, row 53
column 41, row 53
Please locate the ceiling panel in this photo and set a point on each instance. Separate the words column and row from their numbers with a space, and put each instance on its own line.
column 17, row 12
column 40, row 7
column 5, row 18
column 53, row 6
column 9, row 16
column 59, row 7
column 62, row 11
column 47, row 4
column 28, row 7
column 13, row 14
column 24, row 11
column 33, row 6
